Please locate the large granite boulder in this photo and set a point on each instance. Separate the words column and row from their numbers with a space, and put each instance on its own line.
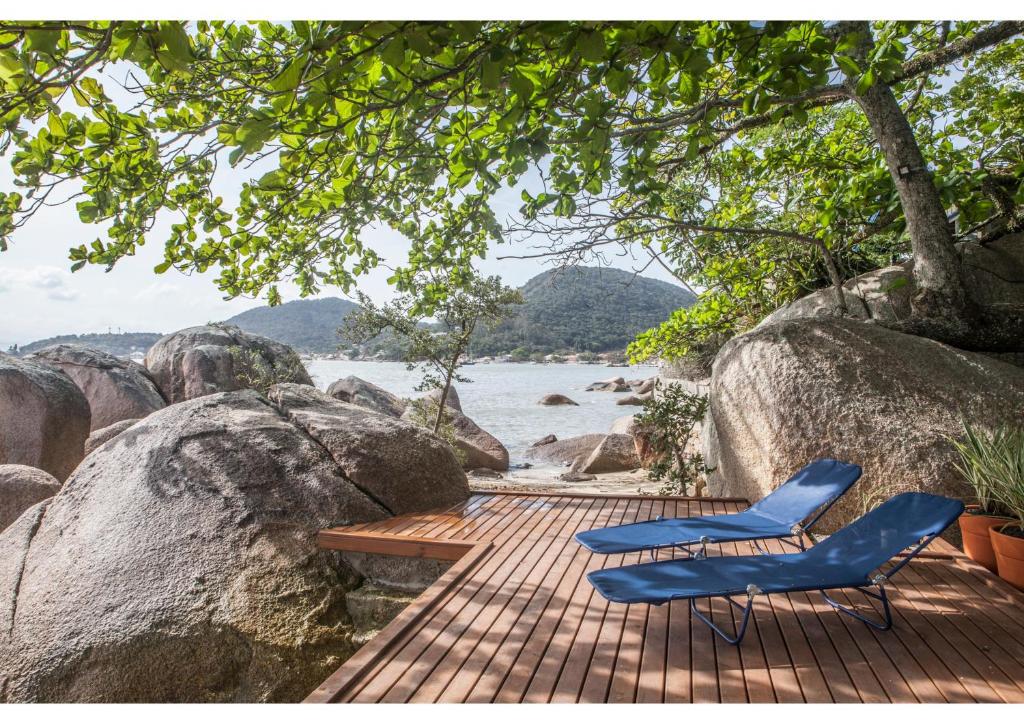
column 200, row 361
column 788, row 393
column 98, row 437
column 21, row 487
column 179, row 563
column 400, row 465
column 44, row 417
column 567, row 451
column 614, row 454
column 357, row 391
column 450, row 400
column 117, row 389
column 479, row 448
column 993, row 275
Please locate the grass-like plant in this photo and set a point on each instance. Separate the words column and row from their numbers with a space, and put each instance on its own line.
column 993, row 466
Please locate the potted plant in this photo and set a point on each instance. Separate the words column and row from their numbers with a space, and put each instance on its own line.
column 1008, row 488
column 982, row 467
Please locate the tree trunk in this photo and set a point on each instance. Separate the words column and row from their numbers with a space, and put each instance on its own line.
column 940, row 290
column 441, row 402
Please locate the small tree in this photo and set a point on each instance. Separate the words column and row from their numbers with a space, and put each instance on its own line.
column 436, row 346
column 667, row 421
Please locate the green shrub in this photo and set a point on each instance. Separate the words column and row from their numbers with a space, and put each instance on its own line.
column 252, row 370
column 667, row 420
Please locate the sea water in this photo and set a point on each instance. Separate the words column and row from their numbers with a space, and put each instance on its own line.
column 502, row 397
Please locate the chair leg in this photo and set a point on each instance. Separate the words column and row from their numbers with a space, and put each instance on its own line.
column 735, row 638
column 884, row 625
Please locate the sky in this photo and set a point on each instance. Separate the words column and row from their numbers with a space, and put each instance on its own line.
column 40, row 297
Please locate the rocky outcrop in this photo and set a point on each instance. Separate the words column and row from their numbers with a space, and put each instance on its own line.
column 623, row 425
column 479, row 448
column 44, row 417
column 546, row 440
column 21, row 487
column 614, row 454
column 201, row 361
column 567, row 451
column 451, row 399
column 399, row 465
column 357, row 391
column 633, row 399
column 116, row 389
column 99, row 437
column 615, row 384
column 556, row 399
column 179, row 562
column 802, row 389
column 647, row 386
column 993, row 275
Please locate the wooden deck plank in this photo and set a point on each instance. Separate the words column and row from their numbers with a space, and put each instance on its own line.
column 416, row 660
column 515, row 619
column 566, row 662
column 512, row 521
column 454, row 677
column 526, row 639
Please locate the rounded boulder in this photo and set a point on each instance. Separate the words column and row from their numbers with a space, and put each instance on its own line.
column 44, row 417
column 116, row 389
column 205, row 360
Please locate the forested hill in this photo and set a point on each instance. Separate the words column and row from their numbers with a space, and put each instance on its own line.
column 119, row 345
column 583, row 309
column 308, row 325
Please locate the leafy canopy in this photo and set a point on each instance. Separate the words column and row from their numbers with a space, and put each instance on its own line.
column 728, row 151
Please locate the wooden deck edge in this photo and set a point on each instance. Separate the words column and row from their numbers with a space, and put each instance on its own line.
column 339, row 539
column 338, row 683
column 618, row 496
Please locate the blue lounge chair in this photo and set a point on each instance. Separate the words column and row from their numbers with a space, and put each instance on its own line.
column 780, row 514
column 847, row 559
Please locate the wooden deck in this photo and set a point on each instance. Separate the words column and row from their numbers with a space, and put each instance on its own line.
column 515, row 620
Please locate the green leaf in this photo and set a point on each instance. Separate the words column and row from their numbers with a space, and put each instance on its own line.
column 288, row 79
column 865, row 82
column 590, row 46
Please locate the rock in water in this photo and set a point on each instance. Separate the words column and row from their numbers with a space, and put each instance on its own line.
column 21, row 487
column 116, row 389
column 357, row 391
column 635, row 400
column 614, row 454
column 109, row 432
column 615, row 384
column 198, row 361
column 400, row 465
column 546, row 440
column 567, row 451
column 179, row 563
column 785, row 394
column 556, row 399
column 44, row 417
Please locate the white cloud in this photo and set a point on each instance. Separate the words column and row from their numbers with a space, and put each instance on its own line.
column 37, row 277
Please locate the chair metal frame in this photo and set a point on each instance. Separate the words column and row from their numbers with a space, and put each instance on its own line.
column 878, row 582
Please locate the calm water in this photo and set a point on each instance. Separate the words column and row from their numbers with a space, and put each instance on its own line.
column 502, row 397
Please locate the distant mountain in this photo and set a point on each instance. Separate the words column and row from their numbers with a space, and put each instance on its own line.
column 119, row 345
column 308, row 325
column 581, row 309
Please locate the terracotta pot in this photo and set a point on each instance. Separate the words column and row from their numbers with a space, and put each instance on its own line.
column 977, row 542
column 1009, row 555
